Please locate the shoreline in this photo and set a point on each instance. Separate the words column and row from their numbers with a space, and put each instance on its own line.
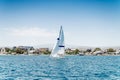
column 65, row 55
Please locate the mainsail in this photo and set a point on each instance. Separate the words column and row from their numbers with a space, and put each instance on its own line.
column 59, row 48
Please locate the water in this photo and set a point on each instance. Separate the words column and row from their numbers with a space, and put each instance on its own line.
column 69, row 68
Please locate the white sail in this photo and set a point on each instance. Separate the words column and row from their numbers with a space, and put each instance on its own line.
column 59, row 48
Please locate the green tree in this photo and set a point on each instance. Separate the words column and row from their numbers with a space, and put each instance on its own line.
column 96, row 49
column 7, row 49
column 70, row 53
column 110, row 50
column 76, row 51
column 19, row 50
column 47, row 52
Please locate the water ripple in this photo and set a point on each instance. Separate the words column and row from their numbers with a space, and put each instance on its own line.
column 69, row 68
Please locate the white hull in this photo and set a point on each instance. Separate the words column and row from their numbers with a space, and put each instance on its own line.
column 57, row 55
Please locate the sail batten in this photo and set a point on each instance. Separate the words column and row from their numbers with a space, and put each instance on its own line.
column 59, row 48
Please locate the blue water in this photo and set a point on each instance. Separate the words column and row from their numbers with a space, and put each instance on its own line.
column 69, row 68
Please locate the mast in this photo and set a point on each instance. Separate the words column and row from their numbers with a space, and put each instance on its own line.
column 60, row 32
column 61, row 38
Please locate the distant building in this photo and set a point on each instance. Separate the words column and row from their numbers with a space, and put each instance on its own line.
column 69, row 50
column 43, row 49
column 100, row 52
column 26, row 47
column 2, row 50
column 117, row 52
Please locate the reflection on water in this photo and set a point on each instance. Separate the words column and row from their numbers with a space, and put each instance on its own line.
column 68, row 68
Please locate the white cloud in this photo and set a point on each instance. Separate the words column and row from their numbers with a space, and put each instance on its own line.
column 27, row 36
column 32, row 32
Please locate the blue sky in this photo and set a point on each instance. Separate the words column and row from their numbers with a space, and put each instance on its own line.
column 37, row 22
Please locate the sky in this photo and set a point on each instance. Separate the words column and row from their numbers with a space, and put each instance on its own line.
column 37, row 22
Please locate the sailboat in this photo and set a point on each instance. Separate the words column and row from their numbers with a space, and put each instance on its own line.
column 59, row 48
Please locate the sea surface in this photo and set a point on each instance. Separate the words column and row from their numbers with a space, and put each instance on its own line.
column 23, row 67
